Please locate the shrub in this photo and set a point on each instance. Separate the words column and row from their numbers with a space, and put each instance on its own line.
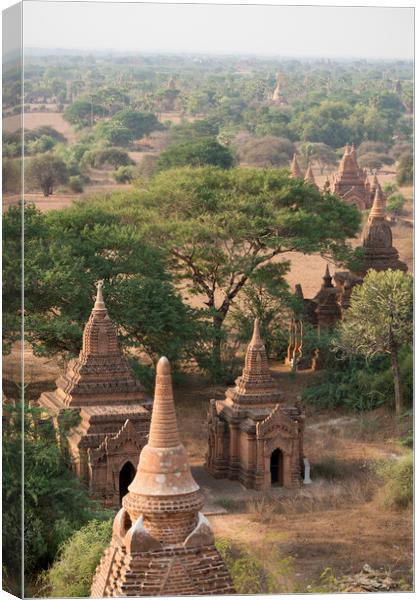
column 247, row 572
column 327, row 468
column 71, row 574
column 76, row 184
column 124, row 174
column 395, row 204
column 398, row 477
column 405, row 169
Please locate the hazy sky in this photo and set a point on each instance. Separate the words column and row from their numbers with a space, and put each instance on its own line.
column 280, row 30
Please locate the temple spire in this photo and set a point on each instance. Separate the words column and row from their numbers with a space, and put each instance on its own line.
column 309, row 176
column 378, row 209
column 327, row 278
column 294, row 167
column 256, row 335
column 99, row 302
column 163, row 428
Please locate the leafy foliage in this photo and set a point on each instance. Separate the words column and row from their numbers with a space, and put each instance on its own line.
column 50, row 488
column 66, row 252
column 72, row 572
column 196, row 154
column 46, row 171
column 398, row 476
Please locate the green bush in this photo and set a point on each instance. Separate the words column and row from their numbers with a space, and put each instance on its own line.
column 247, row 572
column 405, row 169
column 124, row 174
column 395, row 204
column 71, row 574
column 76, row 184
column 398, row 477
column 361, row 385
column 327, row 468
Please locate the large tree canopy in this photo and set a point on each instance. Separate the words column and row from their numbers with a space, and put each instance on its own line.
column 65, row 253
column 219, row 226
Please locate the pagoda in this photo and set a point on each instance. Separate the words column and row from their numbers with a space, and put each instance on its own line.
column 162, row 545
column 278, row 97
column 254, row 436
column 309, row 176
column 351, row 182
column 110, row 405
column 294, row 167
column 379, row 253
column 326, row 303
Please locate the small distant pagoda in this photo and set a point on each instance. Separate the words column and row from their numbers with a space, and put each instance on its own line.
column 379, row 252
column 294, row 167
column 351, row 182
column 254, row 436
column 113, row 409
column 277, row 97
column 309, row 176
column 162, row 545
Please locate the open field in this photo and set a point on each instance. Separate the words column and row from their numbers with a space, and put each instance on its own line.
column 38, row 119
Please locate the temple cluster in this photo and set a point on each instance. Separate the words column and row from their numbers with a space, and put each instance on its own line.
column 127, row 448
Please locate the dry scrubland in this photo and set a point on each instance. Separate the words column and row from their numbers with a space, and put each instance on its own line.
column 338, row 521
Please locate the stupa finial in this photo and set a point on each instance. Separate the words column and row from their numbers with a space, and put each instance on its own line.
column 99, row 302
column 163, row 427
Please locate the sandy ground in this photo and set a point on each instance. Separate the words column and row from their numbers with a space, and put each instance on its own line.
column 37, row 119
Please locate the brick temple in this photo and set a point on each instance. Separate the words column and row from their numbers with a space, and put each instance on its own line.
column 278, row 97
column 112, row 406
column 350, row 182
column 162, row 545
column 377, row 243
column 254, row 436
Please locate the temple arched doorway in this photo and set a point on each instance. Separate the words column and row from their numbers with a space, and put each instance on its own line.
column 127, row 474
column 276, row 467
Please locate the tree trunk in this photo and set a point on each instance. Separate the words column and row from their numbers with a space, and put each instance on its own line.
column 397, row 380
column 217, row 344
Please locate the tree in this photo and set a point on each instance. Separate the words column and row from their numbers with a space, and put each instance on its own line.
column 114, row 157
column 65, row 253
column 45, row 172
column 268, row 151
column 139, row 124
column 220, row 226
column 373, row 161
column 395, row 204
column 380, row 320
column 55, row 501
column 114, row 133
column 83, row 112
column 196, row 154
column 405, row 169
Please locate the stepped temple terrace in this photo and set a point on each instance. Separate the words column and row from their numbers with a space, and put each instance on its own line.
column 161, row 543
column 254, row 436
column 113, row 409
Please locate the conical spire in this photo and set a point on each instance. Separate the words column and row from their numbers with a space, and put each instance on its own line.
column 327, row 278
column 255, row 385
column 378, row 209
column 163, row 466
column 294, row 167
column 163, row 427
column 309, row 176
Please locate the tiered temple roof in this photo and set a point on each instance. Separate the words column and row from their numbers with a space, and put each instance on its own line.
column 255, row 385
column 253, row 422
column 101, row 374
column 351, row 182
column 379, row 253
column 162, row 544
column 113, row 407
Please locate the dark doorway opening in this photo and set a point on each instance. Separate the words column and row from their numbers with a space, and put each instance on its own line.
column 276, row 467
column 126, row 477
